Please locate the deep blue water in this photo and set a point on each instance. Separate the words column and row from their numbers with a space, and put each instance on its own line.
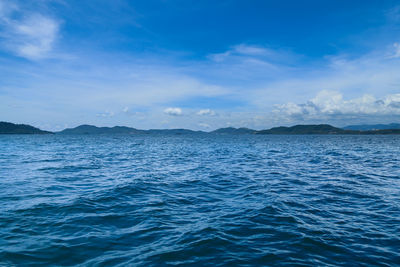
column 200, row 200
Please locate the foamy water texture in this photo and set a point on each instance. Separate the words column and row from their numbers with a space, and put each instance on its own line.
column 199, row 200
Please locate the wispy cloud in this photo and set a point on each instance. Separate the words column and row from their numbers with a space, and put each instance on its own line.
column 243, row 50
column 262, row 56
column 396, row 53
column 373, row 74
column 393, row 14
column 206, row 112
column 27, row 33
column 6, row 8
column 203, row 125
column 106, row 114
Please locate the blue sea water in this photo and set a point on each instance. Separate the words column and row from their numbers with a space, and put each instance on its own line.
column 199, row 200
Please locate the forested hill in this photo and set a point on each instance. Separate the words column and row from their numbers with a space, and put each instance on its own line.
column 11, row 128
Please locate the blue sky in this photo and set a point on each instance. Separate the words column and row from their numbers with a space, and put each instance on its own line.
column 199, row 64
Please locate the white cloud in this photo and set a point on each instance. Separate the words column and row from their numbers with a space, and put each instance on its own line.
column 203, row 125
column 173, row 111
column 206, row 112
column 331, row 104
column 30, row 35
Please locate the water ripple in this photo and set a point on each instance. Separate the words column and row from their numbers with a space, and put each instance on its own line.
column 200, row 200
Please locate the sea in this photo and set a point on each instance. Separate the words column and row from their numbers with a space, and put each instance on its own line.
column 199, row 200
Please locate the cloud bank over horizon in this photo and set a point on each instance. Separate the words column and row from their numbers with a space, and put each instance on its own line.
column 122, row 64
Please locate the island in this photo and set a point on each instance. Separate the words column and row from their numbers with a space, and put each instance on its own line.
column 11, row 128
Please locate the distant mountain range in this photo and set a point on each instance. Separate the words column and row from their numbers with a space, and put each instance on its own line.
column 322, row 129
column 10, row 128
column 304, row 129
column 231, row 130
column 90, row 129
column 372, row 127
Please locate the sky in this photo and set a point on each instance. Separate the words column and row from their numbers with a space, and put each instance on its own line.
column 199, row 65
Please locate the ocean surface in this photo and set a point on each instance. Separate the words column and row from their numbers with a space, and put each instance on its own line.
column 199, row 200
